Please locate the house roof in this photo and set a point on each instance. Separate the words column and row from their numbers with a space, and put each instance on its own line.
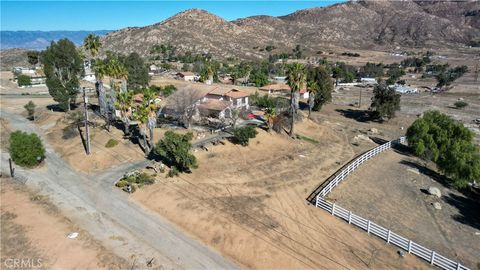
column 233, row 93
column 276, row 87
column 186, row 74
column 214, row 104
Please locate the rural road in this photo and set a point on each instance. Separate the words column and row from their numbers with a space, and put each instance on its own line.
column 131, row 231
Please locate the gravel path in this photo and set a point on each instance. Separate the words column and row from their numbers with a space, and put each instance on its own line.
column 92, row 202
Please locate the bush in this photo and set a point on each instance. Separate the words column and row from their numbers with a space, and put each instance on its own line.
column 30, row 107
column 173, row 172
column 111, row 143
column 26, row 149
column 460, row 104
column 121, row 183
column 175, row 149
column 244, row 134
column 69, row 132
column 24, row 80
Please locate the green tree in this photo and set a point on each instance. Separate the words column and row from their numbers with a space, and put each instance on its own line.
column 33, row 57
column 92, row 44
column 296, row 77
column 244, row 134
column 449, row 144
column 175, row 149
column 26, row 149
column 137, row 71
column 62, row 66
column 323, row 93
column 385, row 102
column 30, row 107
column 24, row 80
column 258, row 78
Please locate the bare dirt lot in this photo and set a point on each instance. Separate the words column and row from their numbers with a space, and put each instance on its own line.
column 34, row 230
column 249, row 203
column 391, row 190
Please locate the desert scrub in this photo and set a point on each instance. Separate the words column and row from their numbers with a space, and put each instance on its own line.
column 138, row 179
column 111, row 143
column 26, row 149
column 460, row 104
column 173, row 172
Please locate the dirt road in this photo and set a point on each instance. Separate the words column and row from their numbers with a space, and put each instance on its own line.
column 108, row 215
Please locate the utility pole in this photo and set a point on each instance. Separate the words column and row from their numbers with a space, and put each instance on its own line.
column 360, row 99
column 87, row 129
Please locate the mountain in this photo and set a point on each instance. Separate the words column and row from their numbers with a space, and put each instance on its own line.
column 39, row 40
column 354, row 25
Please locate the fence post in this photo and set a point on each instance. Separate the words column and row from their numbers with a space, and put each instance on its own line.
column 388, row 236
column 368, row 227
column 458, row 266
column 333, row 209
column 350, row 217
column 432, row 258
column 409, row 246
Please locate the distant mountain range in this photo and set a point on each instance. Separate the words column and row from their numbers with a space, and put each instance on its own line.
column 356, row 25
column 39, row 40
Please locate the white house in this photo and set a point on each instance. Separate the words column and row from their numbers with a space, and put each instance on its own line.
column 368, row 80
column 404, row 89
column 186, row 76
column 238, row 99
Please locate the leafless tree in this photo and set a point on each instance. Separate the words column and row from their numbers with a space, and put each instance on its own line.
column 184, row 103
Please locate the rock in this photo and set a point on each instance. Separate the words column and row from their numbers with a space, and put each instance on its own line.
column 437, row 206
column 434, row 191
column 374, row 131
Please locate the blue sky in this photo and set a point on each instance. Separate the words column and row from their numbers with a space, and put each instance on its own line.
column 112, row 15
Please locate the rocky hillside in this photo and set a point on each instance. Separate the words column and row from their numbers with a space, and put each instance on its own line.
column 357, row 24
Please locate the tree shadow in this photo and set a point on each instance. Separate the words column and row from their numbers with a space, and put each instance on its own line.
column 468, row 208
column 357, row 115
column 439, row 178
column 56, row 107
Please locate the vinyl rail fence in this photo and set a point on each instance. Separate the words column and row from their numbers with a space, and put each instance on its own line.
column 369, row 226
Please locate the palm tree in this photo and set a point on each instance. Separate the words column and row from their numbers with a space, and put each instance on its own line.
column 270, row 114
column 92, row 44
column 141, row 115
column 296, row 77
column 124, row 103
column 312, row 87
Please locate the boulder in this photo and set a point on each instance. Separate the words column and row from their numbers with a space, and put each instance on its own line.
column 437, row 206
column 434, row 191
column 374, row 131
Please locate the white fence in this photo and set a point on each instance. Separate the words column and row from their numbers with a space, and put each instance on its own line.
column 372, row 228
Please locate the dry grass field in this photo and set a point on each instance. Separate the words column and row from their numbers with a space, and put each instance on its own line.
column 249, row 203
column 391, row 190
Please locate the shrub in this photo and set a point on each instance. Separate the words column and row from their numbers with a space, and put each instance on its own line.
column 69, row 132
column 26, row 149
column 244, row 134
column 175, row 149
column 121, row 183
column 173, row 172
column 460, row 104
column 24, row 80
column 111, row 143
column 30, row 107
column 385, row 102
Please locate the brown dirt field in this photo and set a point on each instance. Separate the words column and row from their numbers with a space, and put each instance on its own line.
column 388, row 191
column 33, row 228
column 249, row 203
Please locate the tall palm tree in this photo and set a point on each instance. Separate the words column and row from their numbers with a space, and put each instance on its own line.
column 124, row 103
column 141, row 115
column 92, row 44
column 296, row 76
column 312, row 87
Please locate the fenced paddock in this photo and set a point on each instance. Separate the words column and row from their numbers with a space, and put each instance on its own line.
column 369, row 226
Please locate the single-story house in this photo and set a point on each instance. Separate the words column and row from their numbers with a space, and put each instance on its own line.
column 186, row 76
column 404, row 89
column 368, row 80
column 283, row 88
